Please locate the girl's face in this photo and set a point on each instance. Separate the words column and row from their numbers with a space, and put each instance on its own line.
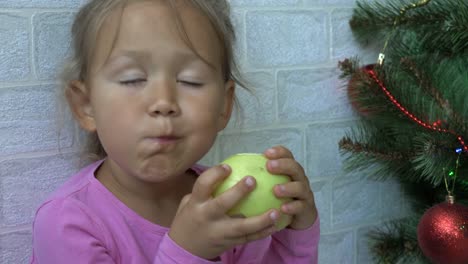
column 156, row 106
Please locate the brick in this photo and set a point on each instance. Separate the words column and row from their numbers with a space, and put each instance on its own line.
column 269, row 3
column 287, row 38
column 40, row 3
column 363, row 251
column 28, row 121
column 25, row 183
column 259, row 141
column 29, row 103
column 25, row 137
column 407, row 207
column 323, row 154
column 322, row 196
column 238, row 21
column 15, row 52
column 257, row 108
column 392, row 199
column 311, row 95
column 345, row 44
column 15, row 247
column 355, row 201
column 337, row 248
column 52, row 43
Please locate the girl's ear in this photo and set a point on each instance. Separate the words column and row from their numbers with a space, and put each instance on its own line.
column 229, row 89
column 78, row 97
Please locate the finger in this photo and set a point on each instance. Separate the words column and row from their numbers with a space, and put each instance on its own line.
column 297, row 190
column 208, row 181
column 287, row 166
column 240, row 228
column 294, row 207
column 277, row 152
column 268, row 231
column 233, row 195
column 183, row 202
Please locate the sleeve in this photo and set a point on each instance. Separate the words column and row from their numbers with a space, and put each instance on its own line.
column 285, row 246
column 63, row 232
column 171, row 253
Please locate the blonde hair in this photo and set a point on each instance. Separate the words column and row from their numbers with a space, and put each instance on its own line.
column 89, row 21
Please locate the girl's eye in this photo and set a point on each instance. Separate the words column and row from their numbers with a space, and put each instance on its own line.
column 189, row 83
column 132, row 82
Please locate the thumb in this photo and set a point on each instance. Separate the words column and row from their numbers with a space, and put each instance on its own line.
column 184, row 202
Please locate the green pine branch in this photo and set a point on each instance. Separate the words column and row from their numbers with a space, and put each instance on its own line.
column 409, row 130
column 441, row 25
column 396, row 242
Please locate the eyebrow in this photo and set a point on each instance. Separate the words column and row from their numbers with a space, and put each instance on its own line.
column 139, row 55
column 144, row 55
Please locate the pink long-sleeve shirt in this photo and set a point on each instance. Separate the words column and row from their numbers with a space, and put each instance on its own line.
column 83, row 222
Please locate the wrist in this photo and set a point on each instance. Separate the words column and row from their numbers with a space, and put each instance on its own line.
column 305, row 223
column 192, row 249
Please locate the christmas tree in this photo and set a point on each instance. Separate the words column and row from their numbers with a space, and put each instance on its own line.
column 413, row 108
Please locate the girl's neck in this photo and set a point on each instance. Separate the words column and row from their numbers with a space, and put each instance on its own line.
column 156, row 203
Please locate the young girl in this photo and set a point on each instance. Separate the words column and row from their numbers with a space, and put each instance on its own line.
column 152, row 82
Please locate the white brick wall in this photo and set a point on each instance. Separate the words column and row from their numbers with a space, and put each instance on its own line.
column 289, row 50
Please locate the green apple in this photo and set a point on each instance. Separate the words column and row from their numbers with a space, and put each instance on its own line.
column 262, row 198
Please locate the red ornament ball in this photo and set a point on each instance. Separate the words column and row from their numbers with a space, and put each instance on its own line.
column 443, row 233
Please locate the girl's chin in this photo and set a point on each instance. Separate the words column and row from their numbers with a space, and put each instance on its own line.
column 161, row 173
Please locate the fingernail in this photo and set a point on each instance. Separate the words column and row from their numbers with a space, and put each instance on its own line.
column 281, row 188
column 273, row 163
column 271, row 151
column 249, row 181
column 225, row 167
column 273, row 215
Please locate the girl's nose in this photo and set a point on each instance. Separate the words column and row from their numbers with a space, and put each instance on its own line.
column 162, row 108
column 163, row 100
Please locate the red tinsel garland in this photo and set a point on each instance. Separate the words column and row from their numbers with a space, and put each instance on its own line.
column 434, row 127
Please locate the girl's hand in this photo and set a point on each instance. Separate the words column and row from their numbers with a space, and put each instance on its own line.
column 201, row 225
column 303, row 210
